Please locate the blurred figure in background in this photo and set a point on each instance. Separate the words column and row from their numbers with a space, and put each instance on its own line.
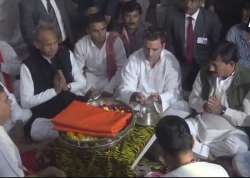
column 240, row 35
column 132, row 30
column 193, row 32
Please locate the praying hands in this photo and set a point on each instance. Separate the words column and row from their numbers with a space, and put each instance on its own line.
column 213, row 106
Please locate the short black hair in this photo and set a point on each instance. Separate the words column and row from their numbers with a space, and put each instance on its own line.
column 1, row 89
column 246, row 6
column 228, row 52
column 95, row 18
column 131, row 6
column 153, row 33
column 174, row 135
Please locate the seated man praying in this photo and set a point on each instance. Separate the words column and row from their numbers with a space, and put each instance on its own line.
column 221, row 94
column 51, row 78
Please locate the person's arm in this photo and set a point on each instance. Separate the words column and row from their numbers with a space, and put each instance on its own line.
column 79, row 82
column 17, row 113
column 231, row 35
column 239, row 118
column 6, row 169
column 168, row 27
column 129, row 80
column 80, row 53
column 11, row 64
column 172, row 84
column 216, row 30
column 121, row 59
column 27, row 91
column 27, row 23
column 195, row 100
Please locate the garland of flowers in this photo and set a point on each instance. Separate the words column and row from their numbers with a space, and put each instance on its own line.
column 114, row 162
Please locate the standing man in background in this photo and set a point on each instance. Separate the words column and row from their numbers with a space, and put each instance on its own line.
column 193, row 32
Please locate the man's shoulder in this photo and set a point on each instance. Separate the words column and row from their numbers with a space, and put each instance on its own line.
column 244, row 74
column 209, row 16
column 83, row 41
column 138, row 54
column 170, row 58
column 199, row 169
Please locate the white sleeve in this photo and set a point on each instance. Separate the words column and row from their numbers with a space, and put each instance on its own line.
column 6, row 170
column 172, row 85
column 195, row 100
column 240, row 118
column 129, row 80
column 27, row 91
column 17, row 113
column 231, row 35
column 121, row 59
column 11, row 64
column 79, row 81
column 80, row 53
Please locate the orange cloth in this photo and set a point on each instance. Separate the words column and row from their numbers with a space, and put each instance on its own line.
column 83, row 118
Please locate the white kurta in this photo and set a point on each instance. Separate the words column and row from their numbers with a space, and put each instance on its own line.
column 17, row 113
column 93, row 62
column 237, row 118
column 10, row 164
column 30, row 100
column 163, row 78
column 223, row 139
column 11, row 65
column 198, row 169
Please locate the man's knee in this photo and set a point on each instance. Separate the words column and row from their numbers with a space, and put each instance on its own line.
column 237, row 145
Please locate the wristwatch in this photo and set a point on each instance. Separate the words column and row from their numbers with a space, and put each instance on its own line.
column 223, row 110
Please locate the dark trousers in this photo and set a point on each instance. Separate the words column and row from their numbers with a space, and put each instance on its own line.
column 51, row 108
column 189, row 73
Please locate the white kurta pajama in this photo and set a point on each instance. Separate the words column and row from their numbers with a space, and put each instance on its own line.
column 229, row 140
column 10, row 164
column 93, row 62
column 163, row 78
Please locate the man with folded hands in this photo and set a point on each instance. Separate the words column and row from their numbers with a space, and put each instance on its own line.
column 50, row 81
column 152, row 74
column 221, row 94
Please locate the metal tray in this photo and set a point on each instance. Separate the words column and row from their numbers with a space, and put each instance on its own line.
column 101, row 143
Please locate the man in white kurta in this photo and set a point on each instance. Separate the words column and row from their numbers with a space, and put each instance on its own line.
column 154, row 77
column 11, row 164
column 91, row 54
column 10, row 65
column 218, row 126
column 17, row 113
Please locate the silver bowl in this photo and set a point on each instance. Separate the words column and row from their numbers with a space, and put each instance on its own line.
column 147, row 116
